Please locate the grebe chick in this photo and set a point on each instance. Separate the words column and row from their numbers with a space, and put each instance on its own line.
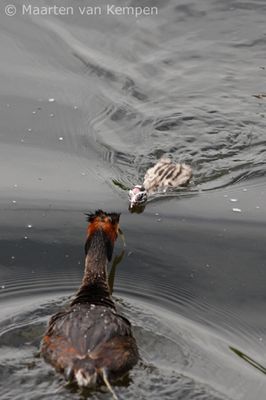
column 164, row 174
column 89, row 341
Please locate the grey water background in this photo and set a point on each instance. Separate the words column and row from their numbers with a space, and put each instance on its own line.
column 87, row 104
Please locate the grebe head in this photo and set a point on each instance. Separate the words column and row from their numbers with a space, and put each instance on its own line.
column 137, row 196
column 106, row 227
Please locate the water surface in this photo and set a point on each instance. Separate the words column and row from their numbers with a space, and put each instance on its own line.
column 87, row 104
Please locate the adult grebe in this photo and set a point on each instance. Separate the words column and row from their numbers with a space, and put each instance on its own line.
column 164, row 174
column 89, row 341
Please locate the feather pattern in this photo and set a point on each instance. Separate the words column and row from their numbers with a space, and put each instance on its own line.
column 166, row 174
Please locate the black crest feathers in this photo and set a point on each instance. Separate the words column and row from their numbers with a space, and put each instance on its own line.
column 102, row 214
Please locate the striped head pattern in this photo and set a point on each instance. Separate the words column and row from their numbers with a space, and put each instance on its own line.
column 137, row 196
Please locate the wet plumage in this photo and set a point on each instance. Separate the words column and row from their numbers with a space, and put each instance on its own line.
column 164, row 174
column 89, row 341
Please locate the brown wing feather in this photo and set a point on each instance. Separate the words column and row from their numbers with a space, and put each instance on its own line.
column 77, row 332
column 117, row 355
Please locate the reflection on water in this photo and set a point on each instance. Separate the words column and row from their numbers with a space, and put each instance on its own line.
column 179, row 280
column 87, row 106
column 161, row 372
column 249, row 360
column 111, row 276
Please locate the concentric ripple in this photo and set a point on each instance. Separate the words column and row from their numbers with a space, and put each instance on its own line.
column 176, row 356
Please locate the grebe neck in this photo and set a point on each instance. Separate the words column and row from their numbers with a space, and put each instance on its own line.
column 96, row 260
column 94, row 286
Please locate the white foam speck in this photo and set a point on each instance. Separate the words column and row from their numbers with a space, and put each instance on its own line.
column 3, row 287
column 14, row 201
column 51, row 100
column 29, row 226
column 233, row 200
column 61, row 138
column 237, row 210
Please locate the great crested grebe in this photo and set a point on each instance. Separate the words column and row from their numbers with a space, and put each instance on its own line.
column 164, row 174
column 89, row 341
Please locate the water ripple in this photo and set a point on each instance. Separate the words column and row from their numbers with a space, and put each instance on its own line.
column 162, row 373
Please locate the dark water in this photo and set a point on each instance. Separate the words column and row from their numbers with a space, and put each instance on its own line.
column 87, row 104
